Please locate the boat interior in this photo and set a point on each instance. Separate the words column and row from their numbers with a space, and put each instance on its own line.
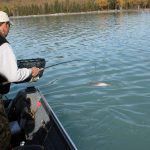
column 33, row 123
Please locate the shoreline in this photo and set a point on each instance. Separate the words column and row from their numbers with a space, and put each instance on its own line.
column 82, row 13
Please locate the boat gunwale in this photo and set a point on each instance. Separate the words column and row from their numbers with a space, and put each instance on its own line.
column 51, row 113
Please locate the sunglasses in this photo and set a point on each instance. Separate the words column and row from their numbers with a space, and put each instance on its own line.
column 8, row 23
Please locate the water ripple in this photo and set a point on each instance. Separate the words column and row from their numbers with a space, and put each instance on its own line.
column 114, row 49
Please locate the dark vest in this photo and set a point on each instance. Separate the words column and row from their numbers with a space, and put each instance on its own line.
column 3, row 88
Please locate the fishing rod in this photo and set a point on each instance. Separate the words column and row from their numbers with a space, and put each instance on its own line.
column 64, row 62
column 41, row 69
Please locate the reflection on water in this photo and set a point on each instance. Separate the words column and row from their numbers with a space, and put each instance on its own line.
column 113, row 49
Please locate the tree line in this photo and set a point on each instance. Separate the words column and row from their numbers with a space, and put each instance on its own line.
column 36, row 7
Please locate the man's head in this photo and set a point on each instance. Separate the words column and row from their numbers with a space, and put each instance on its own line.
column 4, row 23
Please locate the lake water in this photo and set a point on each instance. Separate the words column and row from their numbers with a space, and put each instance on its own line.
column 111, row 48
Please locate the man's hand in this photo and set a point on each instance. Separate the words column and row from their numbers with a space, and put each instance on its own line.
column 35, row 71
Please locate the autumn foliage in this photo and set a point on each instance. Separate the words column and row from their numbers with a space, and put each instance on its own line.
column 35, row 7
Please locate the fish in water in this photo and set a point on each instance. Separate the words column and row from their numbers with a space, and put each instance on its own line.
column 101, row 84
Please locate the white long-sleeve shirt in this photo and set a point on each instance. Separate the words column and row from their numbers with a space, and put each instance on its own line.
column 8, row 65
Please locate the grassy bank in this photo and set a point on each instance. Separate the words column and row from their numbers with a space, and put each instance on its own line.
column 38, row 7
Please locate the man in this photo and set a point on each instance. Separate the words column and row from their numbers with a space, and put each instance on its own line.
column 9, row 72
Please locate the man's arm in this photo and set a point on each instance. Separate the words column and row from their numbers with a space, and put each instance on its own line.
column 9, row 66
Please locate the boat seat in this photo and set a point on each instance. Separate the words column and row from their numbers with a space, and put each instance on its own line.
column 14, row 127
column 29, row 147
